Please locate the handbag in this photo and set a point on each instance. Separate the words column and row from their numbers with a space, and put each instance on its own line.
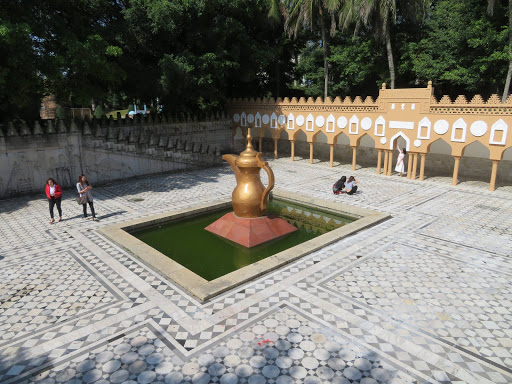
column 81, row 200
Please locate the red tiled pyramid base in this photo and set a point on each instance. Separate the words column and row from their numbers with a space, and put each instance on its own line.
column 250, row 231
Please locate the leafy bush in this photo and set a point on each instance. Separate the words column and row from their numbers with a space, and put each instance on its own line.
column 98, row 112
column 61, row 112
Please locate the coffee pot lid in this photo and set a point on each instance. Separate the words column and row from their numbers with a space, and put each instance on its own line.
column 248, row 158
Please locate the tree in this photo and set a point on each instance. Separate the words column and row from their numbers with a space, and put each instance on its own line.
column 462, row 51
column 300, row 14
column 98, row 112
column 21, row 88
column 379, row 16
column 490, row 9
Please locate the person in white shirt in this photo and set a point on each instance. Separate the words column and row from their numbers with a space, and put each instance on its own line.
column 350, row 186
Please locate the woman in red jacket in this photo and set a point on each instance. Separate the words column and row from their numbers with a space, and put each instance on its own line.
column 54, row 194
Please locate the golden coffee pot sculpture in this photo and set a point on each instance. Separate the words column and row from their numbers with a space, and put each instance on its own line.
column 250, row 197
column 249, row 225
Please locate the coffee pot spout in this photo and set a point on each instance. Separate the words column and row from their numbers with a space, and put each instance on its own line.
column 231, row 159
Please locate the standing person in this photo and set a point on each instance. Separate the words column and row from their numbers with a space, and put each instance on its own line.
column 400, row 167
column 54, row 195
column 84, row 190
column 339, row 185
column 351, row 187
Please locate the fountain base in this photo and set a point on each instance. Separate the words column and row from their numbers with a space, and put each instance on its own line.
column 250, row 232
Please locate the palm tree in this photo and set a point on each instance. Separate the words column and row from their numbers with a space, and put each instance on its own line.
column 379, row 15
column 299, row 14
column 490, row 10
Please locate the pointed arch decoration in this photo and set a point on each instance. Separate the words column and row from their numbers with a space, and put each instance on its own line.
column 310, row 123
column 291, row 122
column 257, row 120
column 380, row 126
column 459, row 130
column 403, row 136
column 273, row 121
column 499, row 128
column 331, row 121
column 424, row 127
column 353, row 125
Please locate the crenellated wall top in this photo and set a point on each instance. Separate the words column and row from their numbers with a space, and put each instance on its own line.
column 412, row 115
column 86, row 126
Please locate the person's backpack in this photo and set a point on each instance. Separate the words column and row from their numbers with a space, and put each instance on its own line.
column 335, row 190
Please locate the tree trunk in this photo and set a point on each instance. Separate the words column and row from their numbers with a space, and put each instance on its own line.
column 324, row 47
column 509, row 74
column 278, row 77
column 390, row 57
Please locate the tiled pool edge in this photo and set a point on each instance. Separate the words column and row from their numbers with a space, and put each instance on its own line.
column 203, row 289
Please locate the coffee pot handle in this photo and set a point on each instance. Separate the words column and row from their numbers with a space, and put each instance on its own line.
column 271, row 180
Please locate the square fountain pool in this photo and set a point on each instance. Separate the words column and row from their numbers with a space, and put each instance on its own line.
column 204, row 264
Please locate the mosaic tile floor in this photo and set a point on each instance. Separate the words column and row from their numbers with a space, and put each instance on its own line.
column 424, row 297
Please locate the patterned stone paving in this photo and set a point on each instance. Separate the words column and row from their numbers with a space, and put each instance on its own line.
column 422, row 297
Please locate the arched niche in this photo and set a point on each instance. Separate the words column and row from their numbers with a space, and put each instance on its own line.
column 239, row 139
column 439, row 160
column 475, row 163
column 366, row 151
column 301, row 144
column 504, row 175
column 320, row 137
column 300, row 135
column 284, row 145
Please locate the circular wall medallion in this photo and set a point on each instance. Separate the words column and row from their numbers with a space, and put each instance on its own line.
column 383, row 140
column 342, row 122
column 265, row 119
column 478, row 128
column 299, row 120
column 281, row 119
column 417, row 143
column 250, row 118
column 236, row 117
column 320, row 121
column 366, row 123
column 441, row 127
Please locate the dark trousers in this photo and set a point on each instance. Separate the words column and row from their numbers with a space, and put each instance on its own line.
column 52, row 202
column 92, row 209
column 353, row 190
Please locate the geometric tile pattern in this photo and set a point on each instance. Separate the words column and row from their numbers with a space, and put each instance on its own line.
column 422, row 297
column 46, row 290
column 283, row 347
column 462, row 304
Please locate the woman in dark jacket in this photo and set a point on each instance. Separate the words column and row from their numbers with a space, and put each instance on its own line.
column 339, row 185
column 54, row 195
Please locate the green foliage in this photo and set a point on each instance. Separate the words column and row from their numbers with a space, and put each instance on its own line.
column 21, row 88
column 98, row 112
column 61, row 112
column 358, row 67
column 463, row 51
column 191, row 55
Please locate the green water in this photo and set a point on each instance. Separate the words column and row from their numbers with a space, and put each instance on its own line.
column 209, row 256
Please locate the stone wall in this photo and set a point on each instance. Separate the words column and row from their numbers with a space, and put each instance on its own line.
column 106, row 150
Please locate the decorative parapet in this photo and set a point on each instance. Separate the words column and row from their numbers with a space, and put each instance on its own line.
column 52, row 126
column 412, row 115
